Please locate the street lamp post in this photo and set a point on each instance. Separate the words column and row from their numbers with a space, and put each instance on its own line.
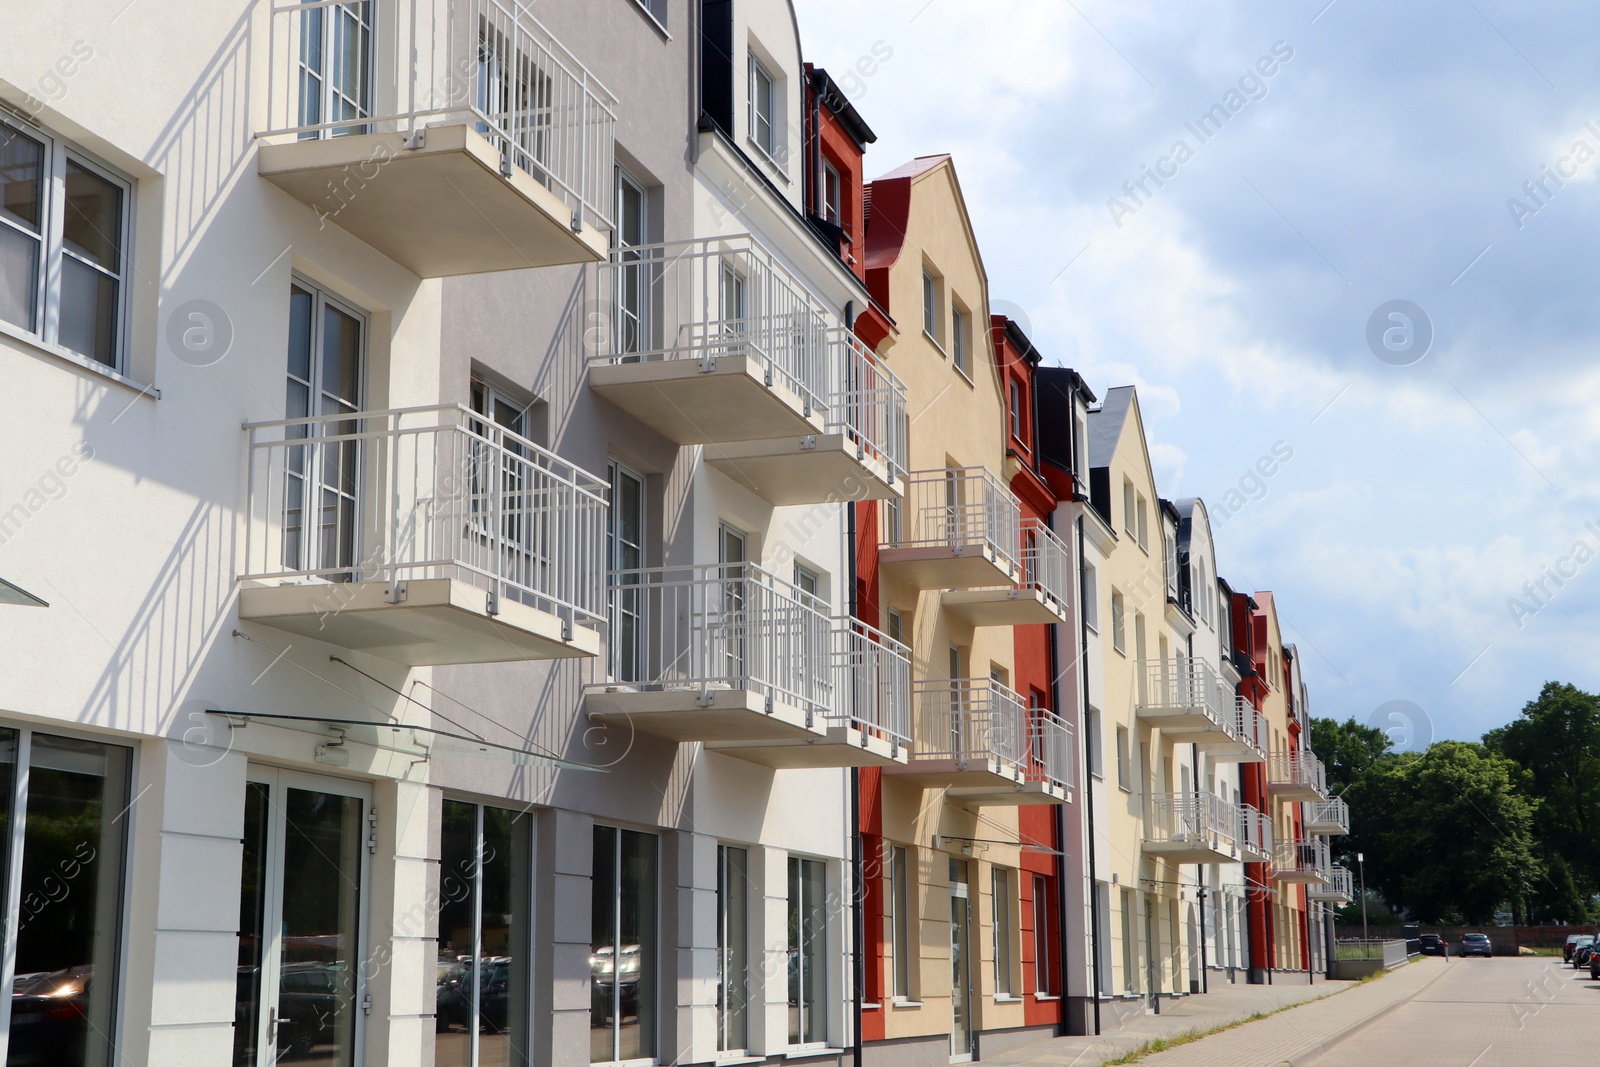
column 1361, row 862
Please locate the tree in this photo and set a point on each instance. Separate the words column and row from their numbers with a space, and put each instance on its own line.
column 1557, row 739
column 1555, row 897
column 1347, row 749
column 1455, row 832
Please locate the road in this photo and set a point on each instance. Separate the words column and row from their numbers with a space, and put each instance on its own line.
column 1480, row 1013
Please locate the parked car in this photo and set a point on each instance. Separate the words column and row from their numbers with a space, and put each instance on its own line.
column 1573, row 943
column 50, row 1017
column 1434, row 945
column 1476, row 945
column 1594, row 965
column 1583, row 953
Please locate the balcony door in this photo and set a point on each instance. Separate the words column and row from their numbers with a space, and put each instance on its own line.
column 625, row 549
column 630, row 313
column 301, row 980
column 335, row 68
column 509, row 503
column 321, row 481
column 730, row 622
column 960, row 964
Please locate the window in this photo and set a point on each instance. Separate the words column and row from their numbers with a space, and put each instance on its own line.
column 806, row 580
column 1124, row 772
column 64, row 260
column 335, row 69
column 1016, row 410
column 622, row 956
column 1118, row 641
column 896, row 625
column 892, row 532
column 60, row 799
column 763, row 108
column 1091, row 598
column 1130, row 521
column 1130, row 943
column 656, row 9
column 930, row 305
column 630, row 310
column 1144, row 524
column 733, row 948
column 327, row 343
column 1170, row 544
column 485, row 893
column 1003, row 939
column 958, row 339
column 1044, row 964
column 901, row 925
column 808, row 920
column 832, row 190
column 625, row 552
column 1091, row 738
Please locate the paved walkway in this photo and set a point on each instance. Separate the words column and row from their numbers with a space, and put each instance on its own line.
column 1268, row 1042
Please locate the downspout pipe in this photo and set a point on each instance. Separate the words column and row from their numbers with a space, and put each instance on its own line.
column 1088, row 787
column 858, row 923
column 1061, row 831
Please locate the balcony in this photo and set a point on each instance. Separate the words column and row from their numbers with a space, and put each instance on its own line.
column 1186, row 828
column 1255, row 834
column 748, row 664
column 454, row 136
column 1302, row 861
column 1040, row 596
column 1296, row 776
column 1192, row 705
column 1339, row 888
column 424, row 536
column 959, row 528
column 714, row 342
column 1325, row 816
column 978, row 741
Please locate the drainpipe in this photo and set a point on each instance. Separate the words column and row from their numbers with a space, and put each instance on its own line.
column 858, row 924
column 1194, row 757
column 1088, row 787
column 1061, row 825
column 814, row 201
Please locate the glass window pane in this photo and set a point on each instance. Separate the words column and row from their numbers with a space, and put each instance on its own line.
column 602, row 947
column 503, row 1003
column 21, row 178
column 19, row 278
column 458, row 861
column 321, row 900
column 341, row 362
column 300, row 335
column 67, row 926
column 252, row 895
column 636, row 944
column 733, row 961
column 92, row 226
column 88, row 311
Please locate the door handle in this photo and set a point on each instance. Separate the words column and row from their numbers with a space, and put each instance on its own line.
column 272, row 1026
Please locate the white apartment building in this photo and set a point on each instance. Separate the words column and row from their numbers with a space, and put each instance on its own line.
column 429, row 429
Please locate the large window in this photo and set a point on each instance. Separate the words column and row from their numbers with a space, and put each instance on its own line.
column 1004, row 940
column 1118, row 618
column 808, row 979
column 64, row 260
column 631, row 299
column 335, row 68
column 958, row 339
column 625, row 549
column 1124, row 772
column 64, row 906
column 901, row 897
column 733, row 948
column 763, row 108
column 1044, row 963
column 622, row 963
column 482, row 998
column 831, row 192
column 930, row 305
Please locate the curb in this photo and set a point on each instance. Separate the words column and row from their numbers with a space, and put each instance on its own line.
column 1320, row 1050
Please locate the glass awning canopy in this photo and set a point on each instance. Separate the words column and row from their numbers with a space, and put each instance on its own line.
column 11, row 594
column 416, row 742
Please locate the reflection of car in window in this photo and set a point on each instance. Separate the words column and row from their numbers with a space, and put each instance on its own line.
column 49, row 1017
column 608, row 978
column 453, row 994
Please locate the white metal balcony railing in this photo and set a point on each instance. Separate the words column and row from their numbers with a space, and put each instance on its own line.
column 1332, row 814
column 715, row 297
column 1187, row 685
column 1255, row 831
column 1301, row 771
column 1046, row 562
column 429, row 492
column 873, row 678
column 345, row 67
column 724, row 627
column 1250, row 725
column 1340, row 886
column 1191, row 819
column 979, row 720
column 868, row 404
column 1307, row 858
column 959, row 507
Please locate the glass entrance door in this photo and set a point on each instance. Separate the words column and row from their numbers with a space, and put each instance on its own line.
column 960, row 965
column 300, row 990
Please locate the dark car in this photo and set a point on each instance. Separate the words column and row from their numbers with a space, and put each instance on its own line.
column 50, row 1017
column 453, row 1000
column 1476, row 945
column 1574, row 942
column 1583, row 954
column 1434, row 945
column 1594, row 965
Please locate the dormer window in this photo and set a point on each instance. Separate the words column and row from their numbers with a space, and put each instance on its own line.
column 763, row 108
column 831, row 187
column 1016, row 409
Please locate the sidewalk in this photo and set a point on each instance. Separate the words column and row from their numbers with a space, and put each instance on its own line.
column 1279, row 1039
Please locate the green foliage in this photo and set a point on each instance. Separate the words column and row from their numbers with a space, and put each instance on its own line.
column 1347, row 749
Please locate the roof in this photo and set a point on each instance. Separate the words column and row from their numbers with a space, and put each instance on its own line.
column 1105, row 425
column 920, row 165
column 838, row 103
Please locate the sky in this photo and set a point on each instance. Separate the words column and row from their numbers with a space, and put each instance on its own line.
column 1433, row 539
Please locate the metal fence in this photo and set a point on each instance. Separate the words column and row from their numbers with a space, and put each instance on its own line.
column 1255, row 831
column 966, row 719
column 1331, row 812
column 1187, row 684
column 1304, row 857
column 730, row 626
column 959, row 508
column 340, row 68
column 425, row 492
column 1197, row 819
column 872, row 682
column 1300, row 769
column 1251, row 726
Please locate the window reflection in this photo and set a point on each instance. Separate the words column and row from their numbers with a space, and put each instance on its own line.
column 622, row 959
